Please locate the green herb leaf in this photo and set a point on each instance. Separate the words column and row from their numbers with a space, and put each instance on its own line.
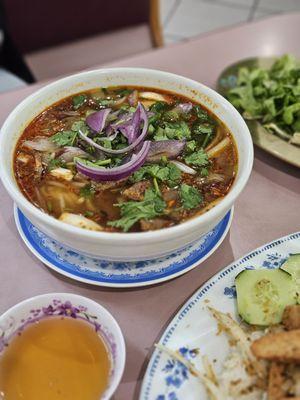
column 79, row 100
column 133, row 211
column 88, row 213
column 80, row 125
column 203, row 129
column 168, row 173
column 190, row 196
column 87, row 191
column 105, row 102
column 288, row 113
column 55, row 163
column 200, row 113
column 98, row 163
column 176, row 130
column 123, row 92
column 159, row 106
column 199, row 158
column 190, row 146
column 271, row 96
column 64, row 138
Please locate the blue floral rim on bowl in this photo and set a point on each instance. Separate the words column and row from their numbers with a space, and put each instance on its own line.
column 118, row 274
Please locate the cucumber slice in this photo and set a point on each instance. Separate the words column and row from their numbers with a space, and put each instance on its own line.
column 292, row 266
column 263, row 294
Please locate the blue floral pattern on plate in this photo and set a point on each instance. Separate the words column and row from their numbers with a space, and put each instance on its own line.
column 119, row 274
column 194, row 330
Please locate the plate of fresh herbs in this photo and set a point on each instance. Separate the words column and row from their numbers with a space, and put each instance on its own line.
column 267, row 93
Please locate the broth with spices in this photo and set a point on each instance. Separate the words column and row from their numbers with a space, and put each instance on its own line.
column 125, row 159
column 55, row 359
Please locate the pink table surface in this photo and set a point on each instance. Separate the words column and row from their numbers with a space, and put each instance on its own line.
column 267, row 209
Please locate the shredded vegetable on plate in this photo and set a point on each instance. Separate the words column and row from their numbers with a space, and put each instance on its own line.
column 271, row 96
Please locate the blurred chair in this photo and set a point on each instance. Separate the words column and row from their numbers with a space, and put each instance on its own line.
column 58, row 37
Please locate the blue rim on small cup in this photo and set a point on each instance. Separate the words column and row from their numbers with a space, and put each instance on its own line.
column 69, row 305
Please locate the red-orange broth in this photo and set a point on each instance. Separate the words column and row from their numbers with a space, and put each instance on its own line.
column 160, row 193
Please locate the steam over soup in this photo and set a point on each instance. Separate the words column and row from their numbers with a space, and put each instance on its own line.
column 125, row 159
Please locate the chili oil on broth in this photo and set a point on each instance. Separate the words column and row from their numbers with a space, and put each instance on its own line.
column 55, row 359
column 97, row 201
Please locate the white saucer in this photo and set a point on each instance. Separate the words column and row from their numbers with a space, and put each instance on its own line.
column 119, row 274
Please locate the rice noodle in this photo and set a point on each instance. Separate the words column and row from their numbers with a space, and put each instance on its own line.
column 216, row 139
column 61, row 201
column 153, row 96
column 90, row 205
column 40, row 198
column 78, row 184
column 57, row 184
column 183, row 167
column 218, row 148
column 242, row 341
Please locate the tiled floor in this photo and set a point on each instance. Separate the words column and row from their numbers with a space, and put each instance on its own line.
column 183, row 19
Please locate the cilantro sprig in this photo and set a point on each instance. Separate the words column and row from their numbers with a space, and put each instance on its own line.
column 271, row 96
column 190, row 197
column 64, row 138
column 133, row 211
column 168, row 173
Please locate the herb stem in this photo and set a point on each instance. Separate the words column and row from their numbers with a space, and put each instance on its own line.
column 156, row 186
column 207, row 137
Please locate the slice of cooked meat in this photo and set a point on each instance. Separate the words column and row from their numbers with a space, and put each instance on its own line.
column 291, row 317
column 282, row 346
column 289, row 398
column 154, row 224
column 101, row 186
column 276, row 381
column 169, row 194
column 137, row 190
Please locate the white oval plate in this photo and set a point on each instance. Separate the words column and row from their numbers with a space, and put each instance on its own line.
column 194, row 328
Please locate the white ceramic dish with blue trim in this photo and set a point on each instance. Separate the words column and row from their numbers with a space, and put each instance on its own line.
column 193, row 328
column 119, row 274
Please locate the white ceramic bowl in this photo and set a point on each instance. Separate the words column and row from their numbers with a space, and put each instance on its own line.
column 124, row 246
column 52, row 304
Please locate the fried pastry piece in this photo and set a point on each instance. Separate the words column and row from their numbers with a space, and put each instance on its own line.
column 291, row 317
column 276, row 381
column 283, row 347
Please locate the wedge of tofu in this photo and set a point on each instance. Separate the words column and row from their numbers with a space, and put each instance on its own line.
column 276, row 381
column 282, row 347
column 80, row 221
column 291, row 317
column 62, row 173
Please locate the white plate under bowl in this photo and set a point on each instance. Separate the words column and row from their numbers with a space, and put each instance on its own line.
column 194, row 327
column 119, row 274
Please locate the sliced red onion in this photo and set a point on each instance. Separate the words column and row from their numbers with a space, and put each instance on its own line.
column 140, row 138
column 184, row 107
column 70, row 152
column 114, row 126
column 97, row 120
column 165, row 148
column 116, row 173
column 110, row 137
column 130, row 129
column 183, row 167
